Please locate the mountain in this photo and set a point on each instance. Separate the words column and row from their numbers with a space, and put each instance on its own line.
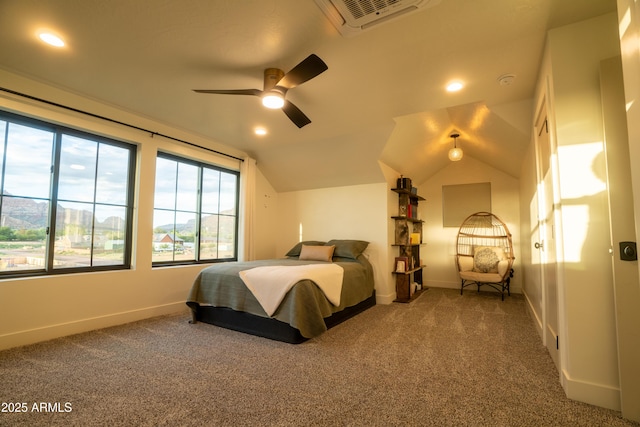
column 21, row 213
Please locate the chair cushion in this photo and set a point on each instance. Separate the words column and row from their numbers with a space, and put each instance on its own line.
column 481, row 277
column 465, row 263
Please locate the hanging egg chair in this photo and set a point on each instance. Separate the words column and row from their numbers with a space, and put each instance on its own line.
column 485, row 253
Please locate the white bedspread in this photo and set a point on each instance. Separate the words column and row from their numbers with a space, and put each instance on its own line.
column 270, row 284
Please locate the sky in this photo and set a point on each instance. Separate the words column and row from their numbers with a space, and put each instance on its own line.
column 90, row 171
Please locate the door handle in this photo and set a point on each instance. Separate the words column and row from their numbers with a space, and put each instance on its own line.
column 538, row 245
column 628, row 251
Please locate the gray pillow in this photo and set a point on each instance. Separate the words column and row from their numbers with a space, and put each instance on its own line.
column 348, row 248
column 295, row 251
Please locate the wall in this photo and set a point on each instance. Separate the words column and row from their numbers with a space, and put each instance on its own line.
column 40, row 308
column 440, row 250
column 266, row 215
column 352, row 212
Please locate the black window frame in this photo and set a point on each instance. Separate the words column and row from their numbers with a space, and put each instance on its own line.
column 59, row 131
column 201, row 165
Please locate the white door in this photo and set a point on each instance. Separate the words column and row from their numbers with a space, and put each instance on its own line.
column 546, row 238
column 621, row 211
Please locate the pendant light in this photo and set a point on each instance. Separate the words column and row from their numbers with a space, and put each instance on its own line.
column 455, row 153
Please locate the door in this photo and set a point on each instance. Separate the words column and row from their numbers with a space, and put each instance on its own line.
column 621, row 212
column 546, row 244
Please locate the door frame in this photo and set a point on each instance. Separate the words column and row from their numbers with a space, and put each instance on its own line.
column 545, row 245
column 545, row 106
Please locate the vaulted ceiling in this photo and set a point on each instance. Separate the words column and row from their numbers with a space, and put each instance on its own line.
column 382, row 98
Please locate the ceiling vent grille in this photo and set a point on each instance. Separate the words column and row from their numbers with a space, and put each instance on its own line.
column 351, row 17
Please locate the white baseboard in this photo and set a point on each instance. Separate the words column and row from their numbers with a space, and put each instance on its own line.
column 536, row 319
column 591, row 393
column 385, row 299
column 45, row 333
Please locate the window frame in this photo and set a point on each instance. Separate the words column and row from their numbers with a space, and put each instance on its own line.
column 58, row 132
column 198, row 214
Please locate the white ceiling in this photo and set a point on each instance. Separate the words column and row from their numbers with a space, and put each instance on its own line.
column 382, row 98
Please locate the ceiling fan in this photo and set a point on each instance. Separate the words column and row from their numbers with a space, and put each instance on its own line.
column 276, row 85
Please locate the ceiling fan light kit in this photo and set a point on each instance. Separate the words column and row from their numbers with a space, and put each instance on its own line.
column 273, row 100
column 277, row 83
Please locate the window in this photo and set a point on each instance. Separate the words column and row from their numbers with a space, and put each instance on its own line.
column 65, row 200
column 195, row 215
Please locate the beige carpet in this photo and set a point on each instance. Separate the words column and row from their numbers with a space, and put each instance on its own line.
column 444, row 359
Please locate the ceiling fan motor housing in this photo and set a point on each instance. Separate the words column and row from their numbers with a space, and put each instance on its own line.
column 271, row 77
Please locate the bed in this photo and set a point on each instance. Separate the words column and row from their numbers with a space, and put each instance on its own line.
column 220, row 296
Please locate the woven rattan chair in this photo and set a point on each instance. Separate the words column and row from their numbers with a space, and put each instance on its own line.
column 485, row 253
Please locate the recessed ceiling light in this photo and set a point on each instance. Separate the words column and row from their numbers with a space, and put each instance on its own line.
column 454, row 86
column 260, row 131
column 51, row 39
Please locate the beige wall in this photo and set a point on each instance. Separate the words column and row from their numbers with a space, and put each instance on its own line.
column 352, row 212
column 266, row 219
column 340, row 213
column 40, row 308
column 439, row 252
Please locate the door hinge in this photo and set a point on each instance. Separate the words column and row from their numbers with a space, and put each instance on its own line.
column 557, row 342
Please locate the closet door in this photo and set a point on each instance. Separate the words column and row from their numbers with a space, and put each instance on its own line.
column 546, row 243
column 621, row 212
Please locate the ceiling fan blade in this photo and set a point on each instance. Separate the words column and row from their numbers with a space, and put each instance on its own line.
column 255, row 92
column 295, row 114
column 304, row 71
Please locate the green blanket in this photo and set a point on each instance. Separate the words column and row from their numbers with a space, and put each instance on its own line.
column 305, row 305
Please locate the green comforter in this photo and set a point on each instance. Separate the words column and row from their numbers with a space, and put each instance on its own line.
column 305, row 305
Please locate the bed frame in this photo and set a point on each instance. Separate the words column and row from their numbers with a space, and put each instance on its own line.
column 268, row 327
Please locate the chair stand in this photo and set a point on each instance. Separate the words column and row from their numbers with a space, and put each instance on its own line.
column 498, row 286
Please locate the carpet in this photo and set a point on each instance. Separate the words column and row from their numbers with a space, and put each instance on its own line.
column 442, row 360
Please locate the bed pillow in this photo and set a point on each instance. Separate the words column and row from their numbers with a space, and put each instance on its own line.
column 348, row 248
column 295, row 251
column 317, row 253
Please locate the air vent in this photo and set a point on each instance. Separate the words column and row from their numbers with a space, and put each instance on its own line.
column 351, row 17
